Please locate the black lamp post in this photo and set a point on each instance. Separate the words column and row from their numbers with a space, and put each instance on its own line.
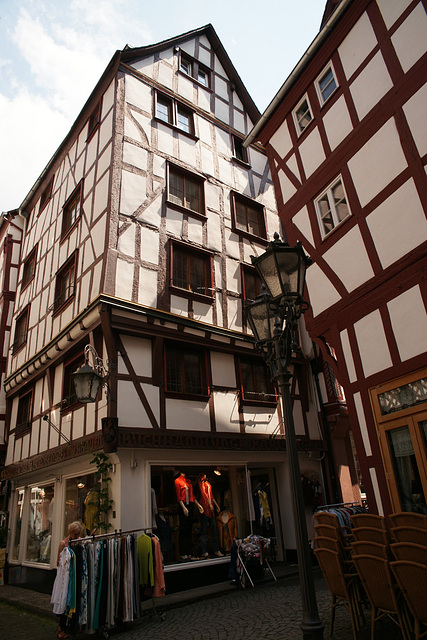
column 273, row 318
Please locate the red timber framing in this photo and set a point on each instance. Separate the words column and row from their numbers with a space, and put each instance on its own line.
column 387, row 282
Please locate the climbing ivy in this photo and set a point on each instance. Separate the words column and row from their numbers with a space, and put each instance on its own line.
column 105, row 504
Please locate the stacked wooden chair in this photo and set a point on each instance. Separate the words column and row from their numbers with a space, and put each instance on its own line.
column 408, row 532
column 332, row 550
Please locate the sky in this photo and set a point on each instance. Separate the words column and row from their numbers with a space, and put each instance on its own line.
column 52, row 53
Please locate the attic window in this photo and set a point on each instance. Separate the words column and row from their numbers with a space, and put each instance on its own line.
column 174, row 113
column 193, row 68
column 94, row 120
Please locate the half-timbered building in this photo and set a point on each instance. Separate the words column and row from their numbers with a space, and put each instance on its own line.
column 138, row 237
column 347, row 146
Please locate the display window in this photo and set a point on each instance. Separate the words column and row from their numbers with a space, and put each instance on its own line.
column 40, row 524
column 197, row 511
column 82, row 502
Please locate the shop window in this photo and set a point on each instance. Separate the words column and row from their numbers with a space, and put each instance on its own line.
column 69, row 397
column 21, row 329
column 19, row 506
column 191, row 270
column 82, row 502
column 239, row 151
column 94, row 120
column 186, row 370
column 248, row 216
column 186, row 190
column 255, row 380
column 332, row 207
column 46, row 195
column 326, row 84
column 193, row 68
column 72, row 210
column 174, row 113
column 302, row 115
column 65, row 283
column 39, row 535
column 24, row 414
column 29, row 268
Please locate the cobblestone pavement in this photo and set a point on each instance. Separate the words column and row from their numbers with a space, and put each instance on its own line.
column 270, row 611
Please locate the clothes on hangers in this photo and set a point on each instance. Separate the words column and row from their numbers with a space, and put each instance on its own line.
column 227, row 529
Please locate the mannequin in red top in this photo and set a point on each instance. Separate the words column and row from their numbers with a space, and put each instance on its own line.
column 209, row 505
column 186, row 502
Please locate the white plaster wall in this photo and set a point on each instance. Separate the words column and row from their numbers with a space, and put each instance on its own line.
column 203, row 312
column 139, row 353
column 131, row 411
column 348, row 356
column 312, row 152
column 362, row 423
column 370, row 85
column 259, row 420
column 357, row 45
column 187, row 415
column 410, row 38
column 416, row 113
column 409, row 322
column 133, row 192
column 337, row 123
column 124, row 279
column 392, row 10
column 226, row 412
column 321, row 291
column 287, row 188
column 400, row 216
column 302, row 222
column 223, row 371
column 372, row 343
column 348, row 258
column 281, row 140
column 375, row 165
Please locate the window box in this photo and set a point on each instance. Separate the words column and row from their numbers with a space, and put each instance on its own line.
column 332, row 207
column 248, row 216
column 191, row 271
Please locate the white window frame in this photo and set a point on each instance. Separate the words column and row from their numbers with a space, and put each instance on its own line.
column 328, row 192
column 329, row 67
column 296, row 120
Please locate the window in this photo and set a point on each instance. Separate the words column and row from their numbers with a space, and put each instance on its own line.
column 39, row 532
column 29, row 268
column 69, row 397
column 21, row 329
column 191, row 270
column 174, row 113
column 302, row 115
column 251, row 284
column 239, row 151
column 186, row 190
column 256, row 385
column 72, row 210
column 94, row 120
column 65, row 283
column 185, row 370
column 23, row 417
column 332, row 207
column 248, row 216
column 193, row 68
column 326, row 84
column 46, row 195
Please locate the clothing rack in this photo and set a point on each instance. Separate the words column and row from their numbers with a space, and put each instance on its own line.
column 337, row 504
column 116, row 534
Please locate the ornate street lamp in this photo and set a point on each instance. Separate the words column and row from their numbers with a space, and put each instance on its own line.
column 87, row 380
column 273, row 318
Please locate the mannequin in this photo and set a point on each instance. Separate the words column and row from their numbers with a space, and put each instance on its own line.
column 186, row 502
column 207, row 518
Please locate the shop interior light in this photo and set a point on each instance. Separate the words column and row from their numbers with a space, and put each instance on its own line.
column 217, row 472
column 80, row 483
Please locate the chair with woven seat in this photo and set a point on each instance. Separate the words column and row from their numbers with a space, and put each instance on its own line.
column 409, row 551
column 369, row 548
column 325, row 517
column 412, row 579
column 368, row 520
column 383, row 594
column 326, row 530
column 409, row 534
column 372, row 534
column 407, row 519
column 342, row 586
